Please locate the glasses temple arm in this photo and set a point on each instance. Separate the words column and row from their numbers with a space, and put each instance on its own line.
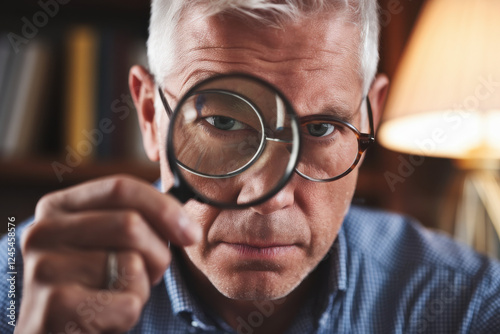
column 370, row 118
column 165, row 103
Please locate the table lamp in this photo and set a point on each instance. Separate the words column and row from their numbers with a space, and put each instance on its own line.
column 445, row 102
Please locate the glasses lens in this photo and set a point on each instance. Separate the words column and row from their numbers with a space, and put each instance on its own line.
column 217, row 133
column 329, row 149
column 235, row 140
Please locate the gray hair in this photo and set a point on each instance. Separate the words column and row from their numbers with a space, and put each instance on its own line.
column 165, row 14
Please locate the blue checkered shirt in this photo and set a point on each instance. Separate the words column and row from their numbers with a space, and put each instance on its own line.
column 384, row 274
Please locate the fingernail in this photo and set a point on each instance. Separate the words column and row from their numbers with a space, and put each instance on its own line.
column 191, row 231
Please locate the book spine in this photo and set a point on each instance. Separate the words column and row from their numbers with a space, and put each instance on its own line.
column 81, row 78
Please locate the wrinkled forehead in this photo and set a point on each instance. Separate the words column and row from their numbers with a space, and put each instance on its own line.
column 311, row 43
column 167, row 32
column 303, row 58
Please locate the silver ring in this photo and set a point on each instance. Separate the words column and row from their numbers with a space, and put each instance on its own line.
column 111, row 269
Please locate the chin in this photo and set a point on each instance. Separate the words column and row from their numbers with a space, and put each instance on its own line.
column 259, row 285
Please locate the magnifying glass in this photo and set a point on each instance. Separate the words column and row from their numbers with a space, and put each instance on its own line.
column 233, row 142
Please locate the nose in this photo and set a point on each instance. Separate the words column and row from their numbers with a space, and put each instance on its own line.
column 264, row 176
column 285, row 198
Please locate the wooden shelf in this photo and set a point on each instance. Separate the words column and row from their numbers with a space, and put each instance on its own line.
column 23, row 182
column 41, row 172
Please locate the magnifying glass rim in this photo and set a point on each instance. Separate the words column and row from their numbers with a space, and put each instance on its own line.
column 256, row 155
column 294, row 154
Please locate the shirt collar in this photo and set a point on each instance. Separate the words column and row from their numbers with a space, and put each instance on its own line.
column 338, row 266
column 184, row 304
column 333, row 279
column 180, row 297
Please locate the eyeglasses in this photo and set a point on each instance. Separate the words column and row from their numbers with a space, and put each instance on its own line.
column 330, row 148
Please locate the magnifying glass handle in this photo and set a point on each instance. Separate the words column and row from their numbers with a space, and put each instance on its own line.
column 181, row 191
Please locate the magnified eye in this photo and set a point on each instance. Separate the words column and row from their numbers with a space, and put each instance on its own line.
column 225, row 123
column 320, row 129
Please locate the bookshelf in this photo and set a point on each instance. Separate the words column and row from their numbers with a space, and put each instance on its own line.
column 40, row 172
column 63, row 70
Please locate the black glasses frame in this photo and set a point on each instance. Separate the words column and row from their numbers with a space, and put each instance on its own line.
column 365, row 140
column 168, row 110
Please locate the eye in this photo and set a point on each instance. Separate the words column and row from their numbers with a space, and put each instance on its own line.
column 225, row 123
column 320, row 129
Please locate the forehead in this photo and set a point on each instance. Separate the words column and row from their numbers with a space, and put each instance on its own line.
column 313, row 60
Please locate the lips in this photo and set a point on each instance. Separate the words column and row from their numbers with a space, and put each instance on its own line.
column 260, row 244
column 258, row 250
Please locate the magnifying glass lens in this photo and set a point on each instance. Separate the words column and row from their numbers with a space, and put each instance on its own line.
column 217, row 134
column 233, row 140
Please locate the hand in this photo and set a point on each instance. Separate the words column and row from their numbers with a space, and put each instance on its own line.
column 66, row 252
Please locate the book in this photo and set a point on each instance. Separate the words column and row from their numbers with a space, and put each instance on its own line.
column 81, row 82
column 11, row 84
column 28, row 107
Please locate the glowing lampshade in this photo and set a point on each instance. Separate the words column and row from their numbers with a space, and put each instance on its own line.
column 445, row 96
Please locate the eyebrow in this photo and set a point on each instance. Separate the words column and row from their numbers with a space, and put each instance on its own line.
column 340, row 111
column 196, row 77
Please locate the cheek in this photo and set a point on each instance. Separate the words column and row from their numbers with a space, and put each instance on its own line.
column 201, row 213
column 337, row 196
column 205, row 215
column 327, row 209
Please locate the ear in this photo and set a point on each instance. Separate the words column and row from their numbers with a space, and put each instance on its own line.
column 378, row 95
column 142, row 87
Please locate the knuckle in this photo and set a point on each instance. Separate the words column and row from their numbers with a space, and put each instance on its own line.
column 163, row 263
column 28, row 271
column 132, row 227
column 119, row 187
column 43, row 205
column 135, row 270
column 58, row 298
column 26, row 241
column 54, row 297
column 42, row 268
column 134, row 264
column 62, row 303
column 32, row 236
column 132, row 309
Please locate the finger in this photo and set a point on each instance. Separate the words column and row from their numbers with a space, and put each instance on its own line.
column 130, row 277
column 121, row 230
column 162, row 211
column 75, row 309
column 89, row 269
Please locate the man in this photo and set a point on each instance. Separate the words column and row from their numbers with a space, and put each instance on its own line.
column 114, row 254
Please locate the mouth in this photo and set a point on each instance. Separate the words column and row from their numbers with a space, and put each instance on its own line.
column 261, row 251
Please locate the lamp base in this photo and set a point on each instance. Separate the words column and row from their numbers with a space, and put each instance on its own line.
column 477, row 209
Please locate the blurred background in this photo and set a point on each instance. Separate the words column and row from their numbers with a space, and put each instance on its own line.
column 66, row 114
